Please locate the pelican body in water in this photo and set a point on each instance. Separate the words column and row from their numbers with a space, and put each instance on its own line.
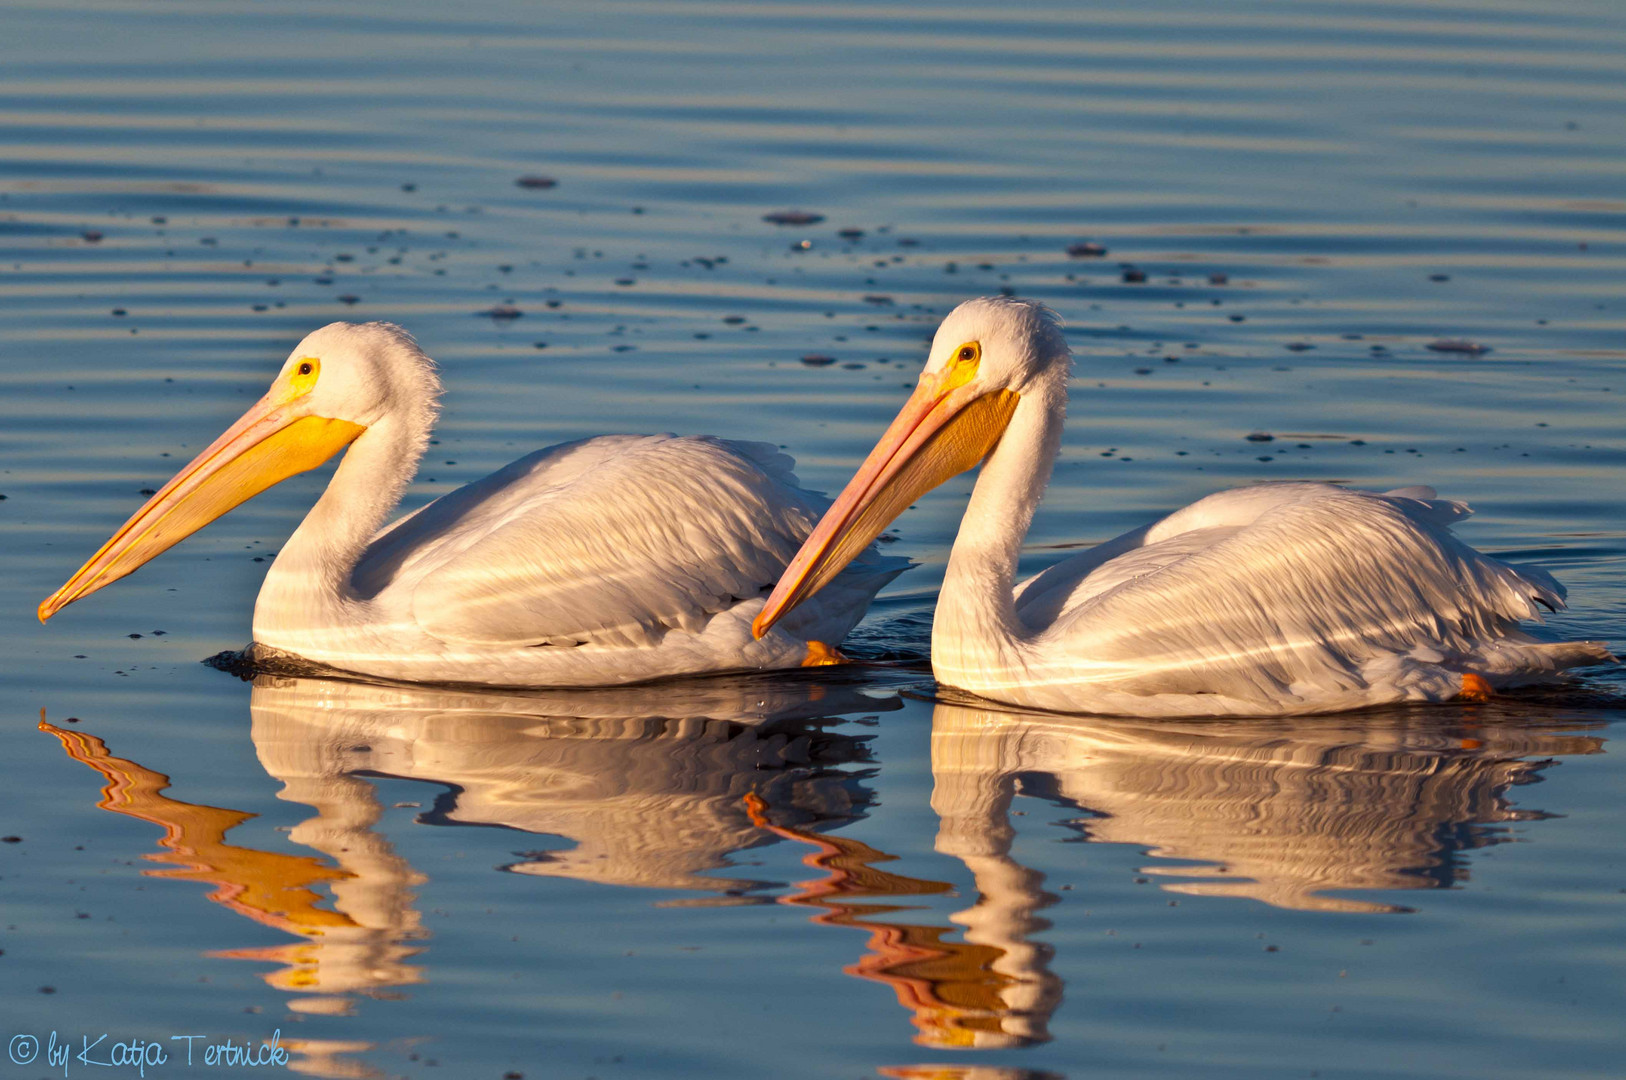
column 610, row 560
column 1270, row 600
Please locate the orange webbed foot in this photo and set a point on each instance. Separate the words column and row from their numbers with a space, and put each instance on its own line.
column 820, row 655
column 1475, row 688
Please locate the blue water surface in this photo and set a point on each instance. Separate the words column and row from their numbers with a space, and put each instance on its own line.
column 1392, row 236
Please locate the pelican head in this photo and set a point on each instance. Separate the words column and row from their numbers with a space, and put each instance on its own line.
column 338, row 382
column 987, row 355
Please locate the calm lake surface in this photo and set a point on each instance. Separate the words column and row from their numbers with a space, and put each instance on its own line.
column 836, row 875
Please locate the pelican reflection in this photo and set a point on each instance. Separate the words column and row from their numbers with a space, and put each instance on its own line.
column 646, row 782
column 992, row 990
column 655, row 787
column 1288, row 812
column 658, row 788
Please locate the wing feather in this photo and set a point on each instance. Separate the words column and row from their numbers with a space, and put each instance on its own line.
column 611, row 541
column 1260, row 591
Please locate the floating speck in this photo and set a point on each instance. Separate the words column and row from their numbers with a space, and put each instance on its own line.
column 792, row 217
column 1459, row 345
column 536, row 183
column 91, row 236
column 1260, row 436
column 1134, row 276
column 1086, row 250
column 818, row 360
column 349, row 299
column 502, row 312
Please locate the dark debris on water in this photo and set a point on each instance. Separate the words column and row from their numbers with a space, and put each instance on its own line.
column 1458, row 345
column 792, row 217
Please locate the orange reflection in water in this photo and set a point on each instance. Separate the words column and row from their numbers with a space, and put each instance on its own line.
column 266, row 886
column 269, row 887
column 958, row 997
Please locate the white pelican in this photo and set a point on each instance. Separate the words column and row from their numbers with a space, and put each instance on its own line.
column 1271, row 600
column 610, row 560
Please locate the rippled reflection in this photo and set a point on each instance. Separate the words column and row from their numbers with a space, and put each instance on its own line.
column 656, row 787
column 660, row 787
column 648, row 782
column 1285, row 812
column 991, row 990
column 362, row 944
column 965, row 1072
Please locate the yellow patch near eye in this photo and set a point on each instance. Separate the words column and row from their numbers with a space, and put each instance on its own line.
column 962, row 366
column 304, row 375
column 300, row 380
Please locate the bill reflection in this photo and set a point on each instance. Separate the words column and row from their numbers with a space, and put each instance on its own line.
column 662, row 787
column 653, row 787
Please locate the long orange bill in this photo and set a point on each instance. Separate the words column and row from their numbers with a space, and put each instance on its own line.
column 266, row 446
column 942, row 431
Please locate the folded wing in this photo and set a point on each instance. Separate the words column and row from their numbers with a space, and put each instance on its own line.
column 612, row 541
column 1271, row 590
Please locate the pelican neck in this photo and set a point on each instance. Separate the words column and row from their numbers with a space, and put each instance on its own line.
column 976, row 609
column 312, row 572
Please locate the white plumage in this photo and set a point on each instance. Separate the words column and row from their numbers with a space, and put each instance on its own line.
column 1279, row 599
column 1283, row 598
column 610, row 560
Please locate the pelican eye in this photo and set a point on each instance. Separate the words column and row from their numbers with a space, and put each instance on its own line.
column 304, row 375
column 963, row 367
